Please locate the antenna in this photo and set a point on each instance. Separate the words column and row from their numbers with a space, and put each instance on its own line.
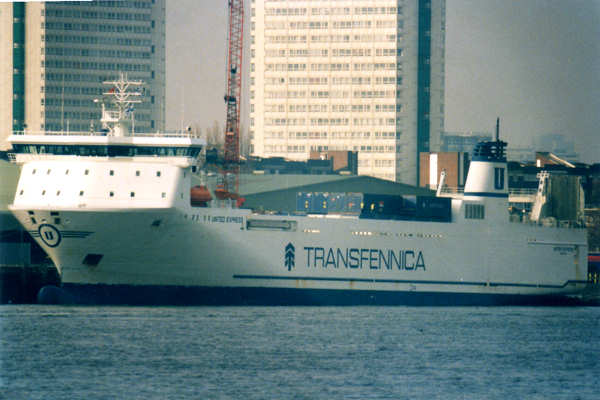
column 498, row 129
column 182, row 106
column 62, row 104
column 123, row 99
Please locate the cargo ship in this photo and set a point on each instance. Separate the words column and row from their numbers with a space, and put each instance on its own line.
column 121, row 218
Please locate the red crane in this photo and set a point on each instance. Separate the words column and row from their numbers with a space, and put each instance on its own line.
column 231, row 157
column 234, row 83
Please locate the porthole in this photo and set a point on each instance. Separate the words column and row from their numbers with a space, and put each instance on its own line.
column 111, row 194
column 43, row 192
column 33, row 172
column 58, row 192
column 48, row 172
column 67, row 172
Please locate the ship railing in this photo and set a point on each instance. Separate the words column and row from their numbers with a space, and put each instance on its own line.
column 448, row 191
column 547, row 222
column 170, row 134
column 516, row 195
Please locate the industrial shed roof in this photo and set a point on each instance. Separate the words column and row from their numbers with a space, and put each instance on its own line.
column 278, row 192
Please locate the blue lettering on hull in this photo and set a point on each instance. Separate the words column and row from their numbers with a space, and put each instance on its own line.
column 373, row 259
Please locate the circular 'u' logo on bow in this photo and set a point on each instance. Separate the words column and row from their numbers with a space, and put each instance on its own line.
column 50, row 235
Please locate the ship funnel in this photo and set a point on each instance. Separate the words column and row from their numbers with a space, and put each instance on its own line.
column 487, row 175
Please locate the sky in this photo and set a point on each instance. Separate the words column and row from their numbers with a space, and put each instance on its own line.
column 533, row 63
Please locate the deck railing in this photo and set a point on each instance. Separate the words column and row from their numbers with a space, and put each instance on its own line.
column 179, row 134
column 511, row 191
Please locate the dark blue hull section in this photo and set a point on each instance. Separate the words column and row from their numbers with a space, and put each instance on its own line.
column 187, row 296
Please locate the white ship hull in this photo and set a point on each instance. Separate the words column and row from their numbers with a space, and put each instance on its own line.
column 209, row 255
column 114, row 213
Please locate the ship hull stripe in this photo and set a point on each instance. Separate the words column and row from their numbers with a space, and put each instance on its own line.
column 65, row 234
column 415, row 282
column 265, row 296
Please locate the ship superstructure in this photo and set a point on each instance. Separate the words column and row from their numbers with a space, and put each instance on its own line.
column 116, row 213
column 112, row 167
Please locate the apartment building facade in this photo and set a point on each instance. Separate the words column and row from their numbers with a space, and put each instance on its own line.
column 58, row 54
column 352, row 75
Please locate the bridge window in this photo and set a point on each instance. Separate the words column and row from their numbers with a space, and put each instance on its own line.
column 108, row 150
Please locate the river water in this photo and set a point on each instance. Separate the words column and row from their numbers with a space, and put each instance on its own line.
column 57, row 352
